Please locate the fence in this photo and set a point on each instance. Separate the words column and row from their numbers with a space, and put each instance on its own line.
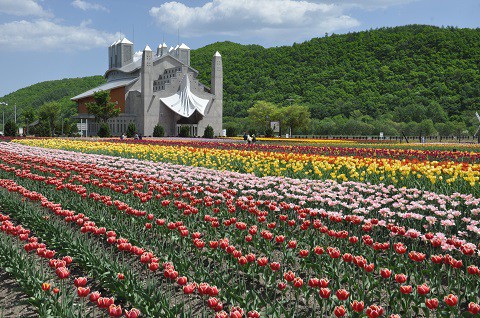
column 462, row 139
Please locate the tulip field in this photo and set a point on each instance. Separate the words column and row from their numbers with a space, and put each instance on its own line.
column 196, row 229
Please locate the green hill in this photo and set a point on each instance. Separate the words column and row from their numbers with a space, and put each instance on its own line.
column 406, row 74
column 403, row 74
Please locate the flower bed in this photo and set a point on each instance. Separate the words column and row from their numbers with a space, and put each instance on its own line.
column 270, row 246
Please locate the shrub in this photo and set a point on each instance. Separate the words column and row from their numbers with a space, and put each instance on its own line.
column 231, row 131
column 158, row 131
column 104, row 130
column 10, row 129
column 184, row 131
column 208, row 133
column 131, row 130
column 269, row 132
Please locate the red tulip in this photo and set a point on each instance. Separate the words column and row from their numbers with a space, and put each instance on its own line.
column 347, row 257
column 188, row 289
column 313, row 282
column 324, row 292
column 289, row 276
column 431, row 303
column 182, row 280
column 80, row 281
column 423, row 289
column 369, row 268
column 451, row 300
column 212, row 302
column 474, row 308
column 282, row 286
column 275, row 266
column 56, row 290
column 318, row 250
column 298, row 282
column 323, row 282
column 253, row 314
column 121, row 276
column 262, row 261
column 213, row 291
column 153, row 266
column 374, row 311
column 385, row 272
column 357, row 306
column 94, row 296
column 303, row 253
column 406, row 289
column 62, row 272
column 83, row 292
column 339, row 311
column 46, row 286
column 132, row 313
column 342, row 294
column 115, row 311
column 400, row 278
column 292, row 244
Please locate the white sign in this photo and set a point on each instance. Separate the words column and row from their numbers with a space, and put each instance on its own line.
column 82, row 126
column 381, row 135
column 275, row 125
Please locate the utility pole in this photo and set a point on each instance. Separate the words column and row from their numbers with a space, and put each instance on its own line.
column 3, row 116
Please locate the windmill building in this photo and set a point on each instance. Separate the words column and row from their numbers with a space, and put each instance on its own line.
column 158, row 89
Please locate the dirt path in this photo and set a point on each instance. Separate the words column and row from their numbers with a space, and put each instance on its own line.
column 13, row 302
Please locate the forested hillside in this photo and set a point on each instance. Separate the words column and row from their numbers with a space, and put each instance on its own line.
column 406, row 79
column 402, row 74
column 36, row 95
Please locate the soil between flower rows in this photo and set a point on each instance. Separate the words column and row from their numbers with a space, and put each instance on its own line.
column 13, row 302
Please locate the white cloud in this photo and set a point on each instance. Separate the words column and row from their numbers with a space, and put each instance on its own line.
column 367, row 4
column 23, row 8
column 284, row 20
column 84, row 5
column 43, row 35
column 269, row 21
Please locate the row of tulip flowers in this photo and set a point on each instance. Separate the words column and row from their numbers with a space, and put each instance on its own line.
column 437, row 176
column 442, row 153
column 293, row 234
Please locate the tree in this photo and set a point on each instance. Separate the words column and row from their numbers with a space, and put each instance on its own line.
column 29, row 117
column 184, row 131
column 48, row 114
column 158, row 131
column 102, row 108
column 208, row 133
column 10, row 129
column 261, row 114
column 131, row 130
column 104, row 130
column 297, row 117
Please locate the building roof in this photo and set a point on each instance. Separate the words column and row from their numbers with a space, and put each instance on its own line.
column 105, row 87
column 184, row 46
column 147, row 48
column 184, row 102
column 217, row 54
column 125, row 41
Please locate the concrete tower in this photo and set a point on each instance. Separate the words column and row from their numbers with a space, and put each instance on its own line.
column 183, row 52
column 162, row 49
column 216, row 112
column 146, row 87
column 120, row 53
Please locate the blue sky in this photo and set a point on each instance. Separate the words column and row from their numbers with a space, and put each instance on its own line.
column 53, row 39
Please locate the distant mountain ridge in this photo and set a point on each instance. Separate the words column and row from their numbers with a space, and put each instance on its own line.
column 409, row 73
